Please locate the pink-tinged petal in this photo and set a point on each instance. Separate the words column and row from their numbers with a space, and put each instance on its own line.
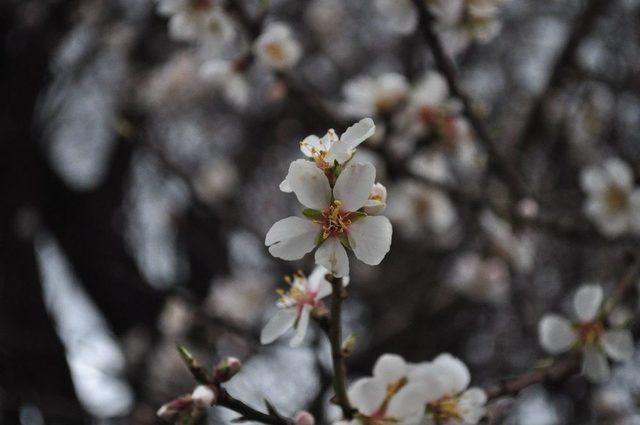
column 354, row 185
column 587, row 302
column 367, row 395
column 310, row 184
column 301, row 327
column 595, row 365
column 280, row 323
column 332, row 256
column 618, row 344
column 390, row 368
column 370, row 239
column 410, row 400
column 291, row 238
column 455, row 373
column 556, row 334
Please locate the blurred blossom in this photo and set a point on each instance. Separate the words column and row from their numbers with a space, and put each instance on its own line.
column 239, row 297
column 323, row 16
column 216, row 179
column 202, row 20
column 176, row 318
column 226, row 78
column 431, row 164
column 518, row 248
column 613, row 201
column 415, row 207
column 484, row 280
column 534, row 408
column 369, row 96
column 277, row 48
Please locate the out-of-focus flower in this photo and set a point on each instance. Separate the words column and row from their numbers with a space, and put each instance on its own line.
column 329, row 150
column 366, row 96
column 203, row 396
column 612, row 201
column 215, row 180
column 225, row 77
column 377, row 201
column 277, row 48
column 484, row 280
column 588, row 333
column 450, row 400
column 303, row 418
column 401, row 15
column 391, row 395
column 415, row 207
column 296, row 305
column 175, row 318
column 518, row 248
column 334, row 218
column 192, row 20
column 238, row 297
column 431, row 164
column 177, row 409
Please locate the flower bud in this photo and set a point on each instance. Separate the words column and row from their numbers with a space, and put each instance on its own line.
column 226, row 369
column 203, row 396
column 174, row 409
column 348, row 345
column 304, row 418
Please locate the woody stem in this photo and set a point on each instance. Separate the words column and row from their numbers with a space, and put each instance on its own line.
column 335, row 336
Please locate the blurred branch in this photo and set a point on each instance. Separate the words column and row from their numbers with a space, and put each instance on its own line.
column 445, row 65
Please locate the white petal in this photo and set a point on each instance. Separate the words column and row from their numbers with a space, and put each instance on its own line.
column 324, row 290
column 618, row 344
column 310, row 145
column 285, row 186
column 619, row 172
column 593, row 180
column 471, row 405
column 401, row 14
column 310, row 184
column 301, row 327
column 358, row 133
column 281, row 322
column 408, row 401
column 556, row 334
column 595, row 365
column 587, row 302
column 291, row 238
column 390, row 368
column 454, row 373
column 316, row 278
column 332, row 256
column 367, row 394
column 430, row 376
column 370, row 238
column 354, row 185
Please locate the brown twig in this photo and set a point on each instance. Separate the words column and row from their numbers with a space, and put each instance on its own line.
column 335, row 337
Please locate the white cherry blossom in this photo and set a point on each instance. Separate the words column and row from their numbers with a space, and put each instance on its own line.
column 391, row 395
column 277, row 48
column 330, row 150
column 296, row 305
column 480, row 279
column 192, row 20
column 365, row 95
column 588, row 333
column 613, row 203
column 334, row 218
column 225, row 77
column 450, row 400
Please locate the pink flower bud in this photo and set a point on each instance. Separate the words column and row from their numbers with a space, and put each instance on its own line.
column 304, row 418
column 172, row 410
column 226, row 369
column 203, row 396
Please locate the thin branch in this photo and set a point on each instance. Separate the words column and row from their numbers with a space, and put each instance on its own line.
column 248, row 413
column 447, row 68
column 335, row 336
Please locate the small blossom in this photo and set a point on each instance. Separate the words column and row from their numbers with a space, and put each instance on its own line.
column 391, row 395
column 377, row 201
column 277, row 48
column 197, row 20
column 176, row 409
column 226, row 369
column 365, row 96
column 450, row 400
column 401, row 15
column 613, row 203
column 329, row 150
column 518, row 248
column 484, row 280
column 303, row 418
column 203, row 396
column 335, row 219
column 587, row 333
column 296, row 306
column 225, row 77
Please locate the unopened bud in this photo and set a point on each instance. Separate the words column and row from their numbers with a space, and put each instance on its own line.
column 203, row 396
column 348, row 345
column 226, row 369
column 173, row 410
column 304, row 418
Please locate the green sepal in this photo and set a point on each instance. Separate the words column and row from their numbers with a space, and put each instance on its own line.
column 344, row 241
column 198, row 372
column 357, row 216
column 312, row 214
column 320, row 239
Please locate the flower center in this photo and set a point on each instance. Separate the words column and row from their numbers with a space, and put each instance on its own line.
column 441, row 123
column 616, row 199
column 275, row 50
column 335, row 222
column 589, row 333
column 298, row 295
column 444, row 409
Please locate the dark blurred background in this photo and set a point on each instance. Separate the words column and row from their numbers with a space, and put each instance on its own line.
column 135, row 199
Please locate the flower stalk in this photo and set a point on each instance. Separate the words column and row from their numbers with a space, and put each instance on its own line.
column 335, row 336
